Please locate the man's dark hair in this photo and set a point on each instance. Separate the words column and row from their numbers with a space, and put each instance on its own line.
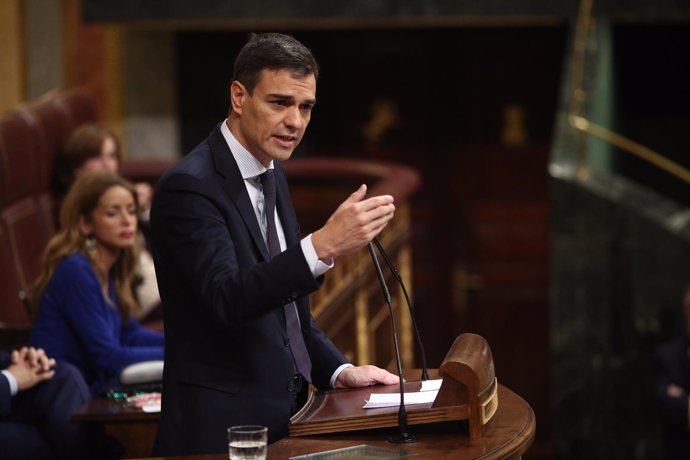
column 275, row 52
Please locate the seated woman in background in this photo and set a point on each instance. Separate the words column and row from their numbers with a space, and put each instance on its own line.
column 92, row 147
column 83, row 296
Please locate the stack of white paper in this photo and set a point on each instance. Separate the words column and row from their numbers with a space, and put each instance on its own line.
column 426, row 395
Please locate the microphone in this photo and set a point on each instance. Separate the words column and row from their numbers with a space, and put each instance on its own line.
column 403, row 436
column 396, row 274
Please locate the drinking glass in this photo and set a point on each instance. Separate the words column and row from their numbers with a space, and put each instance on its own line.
column 247, row 442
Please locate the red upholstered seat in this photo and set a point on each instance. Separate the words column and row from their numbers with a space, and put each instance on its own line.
column 54, row 125
column 29, row 232
column 15, row 324
column 30, row 137
column 22, row 153
column 77, row 104
column 13, row 311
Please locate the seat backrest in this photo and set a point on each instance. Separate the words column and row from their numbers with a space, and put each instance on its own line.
column 22, row 154
column 12, row 308
column 55, row 125
column 30, row 137
column 77, row 104
column 29, row 232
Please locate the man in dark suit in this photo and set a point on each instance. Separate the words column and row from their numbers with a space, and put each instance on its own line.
column 230, row 294
column 37, row 398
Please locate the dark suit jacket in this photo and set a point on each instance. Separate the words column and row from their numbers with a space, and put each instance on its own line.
column 227, row 361
column 35, row 422
column 5, row 394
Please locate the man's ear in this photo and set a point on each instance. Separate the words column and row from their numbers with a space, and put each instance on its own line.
column 85, row 228
column 237, row 95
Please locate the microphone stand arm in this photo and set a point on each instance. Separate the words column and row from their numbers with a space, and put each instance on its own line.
column 413, row 314
column 403, row 436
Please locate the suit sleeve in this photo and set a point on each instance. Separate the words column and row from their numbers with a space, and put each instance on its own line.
column 201, row 240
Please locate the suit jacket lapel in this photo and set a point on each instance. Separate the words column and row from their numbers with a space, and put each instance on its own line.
column 233, row 184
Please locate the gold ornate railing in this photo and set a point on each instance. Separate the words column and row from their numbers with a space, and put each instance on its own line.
column 350, row 307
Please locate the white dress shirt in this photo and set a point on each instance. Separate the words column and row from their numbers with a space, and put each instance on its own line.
column 12, row 381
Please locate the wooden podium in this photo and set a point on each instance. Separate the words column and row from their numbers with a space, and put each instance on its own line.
column 507, row 436
column 331, row 420
column 469, row 392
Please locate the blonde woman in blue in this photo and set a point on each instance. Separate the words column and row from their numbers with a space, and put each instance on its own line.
column 84, row 293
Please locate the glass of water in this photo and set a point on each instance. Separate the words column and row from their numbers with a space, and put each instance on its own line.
column 247, row 442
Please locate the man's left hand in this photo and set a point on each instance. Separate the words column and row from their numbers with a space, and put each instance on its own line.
column 362, row 376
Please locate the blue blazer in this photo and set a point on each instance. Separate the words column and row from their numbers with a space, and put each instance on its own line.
column 76, row 324
column 227, row 360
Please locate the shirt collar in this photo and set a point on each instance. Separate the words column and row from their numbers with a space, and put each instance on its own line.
column 249, row 166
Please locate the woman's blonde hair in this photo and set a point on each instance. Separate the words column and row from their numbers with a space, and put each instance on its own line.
column 81, row 200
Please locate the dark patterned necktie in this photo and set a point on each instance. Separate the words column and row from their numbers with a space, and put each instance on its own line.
column 297, row 345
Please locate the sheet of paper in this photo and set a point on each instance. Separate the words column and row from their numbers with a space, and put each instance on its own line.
column 431, row 385
column 393, row 399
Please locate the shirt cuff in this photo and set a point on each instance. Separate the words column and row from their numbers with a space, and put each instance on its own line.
column 13, row 382
column 318, row 267
column 337, row 372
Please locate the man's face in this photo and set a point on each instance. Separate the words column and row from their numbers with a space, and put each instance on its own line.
column 274, row 118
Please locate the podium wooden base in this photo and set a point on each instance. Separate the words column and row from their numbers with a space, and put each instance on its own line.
column 469, row 392
column 507, row 436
